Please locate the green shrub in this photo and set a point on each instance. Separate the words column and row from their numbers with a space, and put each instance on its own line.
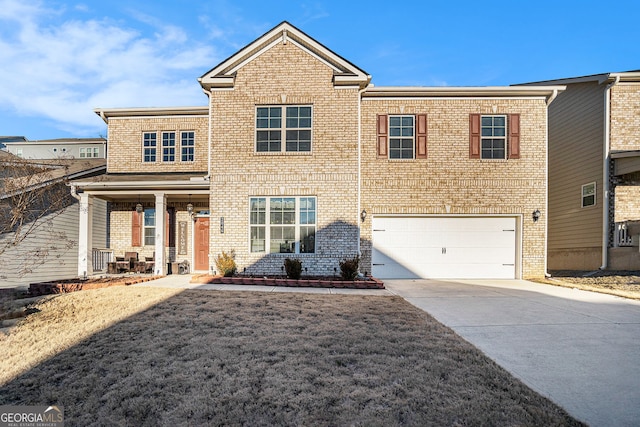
column 293, row 267
column 226, row 264
column 349, row 268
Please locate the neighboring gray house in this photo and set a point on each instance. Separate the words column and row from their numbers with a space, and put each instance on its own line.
column 594, row 173
column 69, row 148
column 49, row 250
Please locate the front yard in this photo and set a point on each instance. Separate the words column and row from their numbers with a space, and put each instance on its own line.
column 149, row 356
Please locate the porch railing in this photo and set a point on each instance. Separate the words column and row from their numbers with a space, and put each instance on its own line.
column 100, row 258
column 622, row 237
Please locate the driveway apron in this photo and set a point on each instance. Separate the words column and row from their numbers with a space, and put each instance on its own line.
column 580, row 349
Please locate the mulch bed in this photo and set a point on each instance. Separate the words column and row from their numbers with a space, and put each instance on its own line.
column 74, row 285
column 312, row 282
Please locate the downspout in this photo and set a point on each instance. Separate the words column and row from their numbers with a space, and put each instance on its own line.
column 606, row 170
column 208, row 177
column 358, row 221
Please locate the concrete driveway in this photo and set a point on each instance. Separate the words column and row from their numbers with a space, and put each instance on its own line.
column 580, row 349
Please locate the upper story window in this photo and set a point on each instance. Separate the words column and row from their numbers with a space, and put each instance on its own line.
column 589, row 194
column 282, row 224
column 86, row 152
column 149, row 142
column 187, row 146
column 493, row 137
column 292, row 122
column 168, row 146
column 170, row 151
column 401, row 137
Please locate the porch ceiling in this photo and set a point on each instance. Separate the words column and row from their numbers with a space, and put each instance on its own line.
column 626, row 162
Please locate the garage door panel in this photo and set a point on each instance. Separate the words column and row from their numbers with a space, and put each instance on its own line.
column 444, row 247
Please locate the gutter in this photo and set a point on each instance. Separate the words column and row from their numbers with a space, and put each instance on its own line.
column 606, row 170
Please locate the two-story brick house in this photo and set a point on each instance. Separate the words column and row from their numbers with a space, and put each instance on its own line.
column 299, row 155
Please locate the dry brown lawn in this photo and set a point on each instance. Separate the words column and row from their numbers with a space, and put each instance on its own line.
column 167, row 357
column 624, row 284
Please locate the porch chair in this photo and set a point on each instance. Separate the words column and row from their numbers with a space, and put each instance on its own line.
column 126, row 263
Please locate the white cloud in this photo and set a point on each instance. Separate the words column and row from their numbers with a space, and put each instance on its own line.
column 60, row 68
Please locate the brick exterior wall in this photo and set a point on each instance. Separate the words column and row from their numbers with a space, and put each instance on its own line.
column 446, row 183
column 285, row 75
column 449, row 178
column 625, row 117
column 125, row 144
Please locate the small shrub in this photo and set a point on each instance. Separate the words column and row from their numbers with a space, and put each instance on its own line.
column 349, row 268
column 293, row 267
column 226, row 264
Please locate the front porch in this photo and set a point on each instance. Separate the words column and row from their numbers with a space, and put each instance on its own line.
column 153, row 225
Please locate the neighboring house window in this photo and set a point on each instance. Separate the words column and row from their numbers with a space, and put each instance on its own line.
column 589, row 194
column 294, row 122
column 494, row 137
column 282, row 224
column 149, row 145
column 86, row 152
column 149, row 226
column 19, row 152
column 402, row 136
column 187, row 145
column 168, row 146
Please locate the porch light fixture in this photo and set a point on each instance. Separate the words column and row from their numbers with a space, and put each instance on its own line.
column 363, row 215
column 190, row 206
column 536, row 215
column 139, row 207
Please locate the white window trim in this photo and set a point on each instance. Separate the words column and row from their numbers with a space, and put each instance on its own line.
column 595, row 194
column 163, row 133
column 413, row 138
column 188, row 146
column 155, row 147
column 296, row 225
column 505, row 137
column 283, row 130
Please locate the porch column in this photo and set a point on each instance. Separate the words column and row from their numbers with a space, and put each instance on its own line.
column 85, row 235
column 161, row 218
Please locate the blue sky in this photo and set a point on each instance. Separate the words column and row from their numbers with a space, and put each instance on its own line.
column 62, row 59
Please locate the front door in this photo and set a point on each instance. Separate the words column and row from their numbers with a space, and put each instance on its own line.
column 201, row 244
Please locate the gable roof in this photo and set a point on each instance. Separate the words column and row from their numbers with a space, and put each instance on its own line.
column 344, row 72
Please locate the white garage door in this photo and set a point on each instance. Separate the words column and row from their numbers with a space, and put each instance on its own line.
column 444, row 247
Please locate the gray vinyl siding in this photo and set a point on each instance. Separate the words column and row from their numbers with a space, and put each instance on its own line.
column 61, row 261
column 576, row 142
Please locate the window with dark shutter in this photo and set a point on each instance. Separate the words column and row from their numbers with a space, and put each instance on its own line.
column 383, row 132
column 136, row 228
column 421, row 136
column 514, row 136
column 474, row 136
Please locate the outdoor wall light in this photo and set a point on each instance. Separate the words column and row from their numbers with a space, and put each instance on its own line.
column 536, row 215
column 363, row 215
column 190, row 206
column 139, row 208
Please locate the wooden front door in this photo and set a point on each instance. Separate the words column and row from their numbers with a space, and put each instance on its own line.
column 201, row 244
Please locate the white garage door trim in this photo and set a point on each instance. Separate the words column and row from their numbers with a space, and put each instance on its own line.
column 447, row 246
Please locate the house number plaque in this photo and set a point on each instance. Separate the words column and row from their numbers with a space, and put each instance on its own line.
column 182, row 238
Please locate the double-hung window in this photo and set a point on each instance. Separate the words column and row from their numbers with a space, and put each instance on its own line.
column 187, row 145
column 493, row 137
column 149, row 142
column 293, row 123
column 87, row 152
column 149, row 226
column 168, row 146
column 401, row 137
column 589, row 194
column 282, row 224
